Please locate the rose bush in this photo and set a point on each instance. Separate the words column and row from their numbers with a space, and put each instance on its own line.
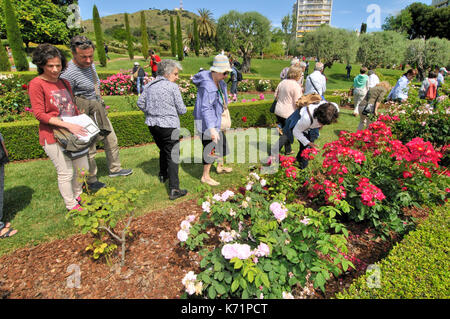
column 378, row 176
column 14, row 100
column 265, row 247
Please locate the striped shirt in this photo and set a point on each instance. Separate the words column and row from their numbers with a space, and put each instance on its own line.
column 81, row 80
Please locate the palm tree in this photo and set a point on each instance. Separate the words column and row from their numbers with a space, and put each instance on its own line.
column 206, row 26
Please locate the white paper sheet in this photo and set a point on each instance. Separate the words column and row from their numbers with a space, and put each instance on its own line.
column 86, row 122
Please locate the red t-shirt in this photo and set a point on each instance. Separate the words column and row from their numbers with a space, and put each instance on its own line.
column 155, row 65
column 49, row 99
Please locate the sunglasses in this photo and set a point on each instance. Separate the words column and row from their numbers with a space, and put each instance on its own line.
column 88, row 42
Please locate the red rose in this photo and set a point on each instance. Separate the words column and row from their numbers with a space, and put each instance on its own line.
column 244, row 119
column 24, row 86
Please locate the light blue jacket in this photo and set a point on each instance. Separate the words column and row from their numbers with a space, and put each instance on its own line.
column 208, row 107
column 400, row 91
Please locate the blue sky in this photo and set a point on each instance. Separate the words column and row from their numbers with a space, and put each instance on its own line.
column 348, row 14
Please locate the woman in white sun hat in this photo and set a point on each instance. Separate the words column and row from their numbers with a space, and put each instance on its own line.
column 211, row 102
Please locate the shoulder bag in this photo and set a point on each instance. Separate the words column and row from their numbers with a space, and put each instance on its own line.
column 3, row 157
column 225, row 123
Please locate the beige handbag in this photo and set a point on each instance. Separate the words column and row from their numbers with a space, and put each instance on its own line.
column 226, row 120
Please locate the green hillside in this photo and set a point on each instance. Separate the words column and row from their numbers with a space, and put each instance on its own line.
column 157, row 20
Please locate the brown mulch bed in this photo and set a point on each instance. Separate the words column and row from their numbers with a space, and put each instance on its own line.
column 155, row 263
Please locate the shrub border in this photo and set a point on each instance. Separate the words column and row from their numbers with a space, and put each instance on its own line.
column 21, row 138
column 416, row 268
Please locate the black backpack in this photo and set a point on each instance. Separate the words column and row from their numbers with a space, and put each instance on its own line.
column 239, row 75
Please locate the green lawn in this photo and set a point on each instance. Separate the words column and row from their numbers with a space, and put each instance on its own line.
column 34, row 206
column 260, row 68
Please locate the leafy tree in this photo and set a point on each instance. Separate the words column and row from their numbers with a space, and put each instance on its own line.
column 206, row 26
column 99, row 36
column 4, row 59
column 420, row 20
column 173, row 41
column 330, row 45
column 246, row 33
column 288, row 26
column 384, row 48
column 427, row 54
column 14, row 37
column 41, row 21
column 275, row 49
column 130, row 46
column 196, row 39
column 144, row 36
column 179, row 40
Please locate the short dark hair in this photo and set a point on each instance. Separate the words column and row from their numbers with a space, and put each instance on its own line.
column 432, row 75
column 45, row 52
column 81, row 42
column 363, row 70
column 411, row 72
column 326, row 114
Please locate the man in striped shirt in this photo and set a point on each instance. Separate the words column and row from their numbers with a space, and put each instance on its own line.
column 85, row 83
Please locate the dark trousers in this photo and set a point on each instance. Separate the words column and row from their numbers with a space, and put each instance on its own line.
column 284, row 141
column 165, row 142
column 311, row 135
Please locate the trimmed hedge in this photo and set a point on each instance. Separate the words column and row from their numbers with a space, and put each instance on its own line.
column 417, row 268
column 21, row 138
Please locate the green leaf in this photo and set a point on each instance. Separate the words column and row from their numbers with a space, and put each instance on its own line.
column 220, row 289
column 243, row 283
column 211, row 292
column 265, row 280
column 235, row 285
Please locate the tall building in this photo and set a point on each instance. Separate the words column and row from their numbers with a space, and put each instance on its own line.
column 311, row 14
column 440, row 3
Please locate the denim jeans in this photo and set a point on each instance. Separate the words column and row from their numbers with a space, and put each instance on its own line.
column 311, row 135
column 2, row 178
column 140, row 84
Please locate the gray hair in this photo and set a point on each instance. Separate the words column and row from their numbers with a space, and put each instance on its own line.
column 81, row 42
column 294, row 61
column 166, row 67
column 303, row 65
column 318, row 66
column 371, row 72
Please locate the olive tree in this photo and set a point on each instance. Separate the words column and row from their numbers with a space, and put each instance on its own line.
column 246, row 33
column 427, row 54
column 330, row 45
column 381, row 49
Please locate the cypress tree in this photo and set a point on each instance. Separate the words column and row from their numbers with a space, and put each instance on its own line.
column 144, row 36
column 196, row 39
column 179, row 40
column 14, row 37
column 173, row 42
column 99, row 36
column 129, row 41
column 4, row 59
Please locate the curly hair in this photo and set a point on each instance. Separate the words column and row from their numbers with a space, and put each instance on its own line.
column 326, row 113
column 45, row 52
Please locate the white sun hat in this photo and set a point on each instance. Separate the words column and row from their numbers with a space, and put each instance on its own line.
column 221, row 64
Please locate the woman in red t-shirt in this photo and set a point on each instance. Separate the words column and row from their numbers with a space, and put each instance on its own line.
column 50, row 99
